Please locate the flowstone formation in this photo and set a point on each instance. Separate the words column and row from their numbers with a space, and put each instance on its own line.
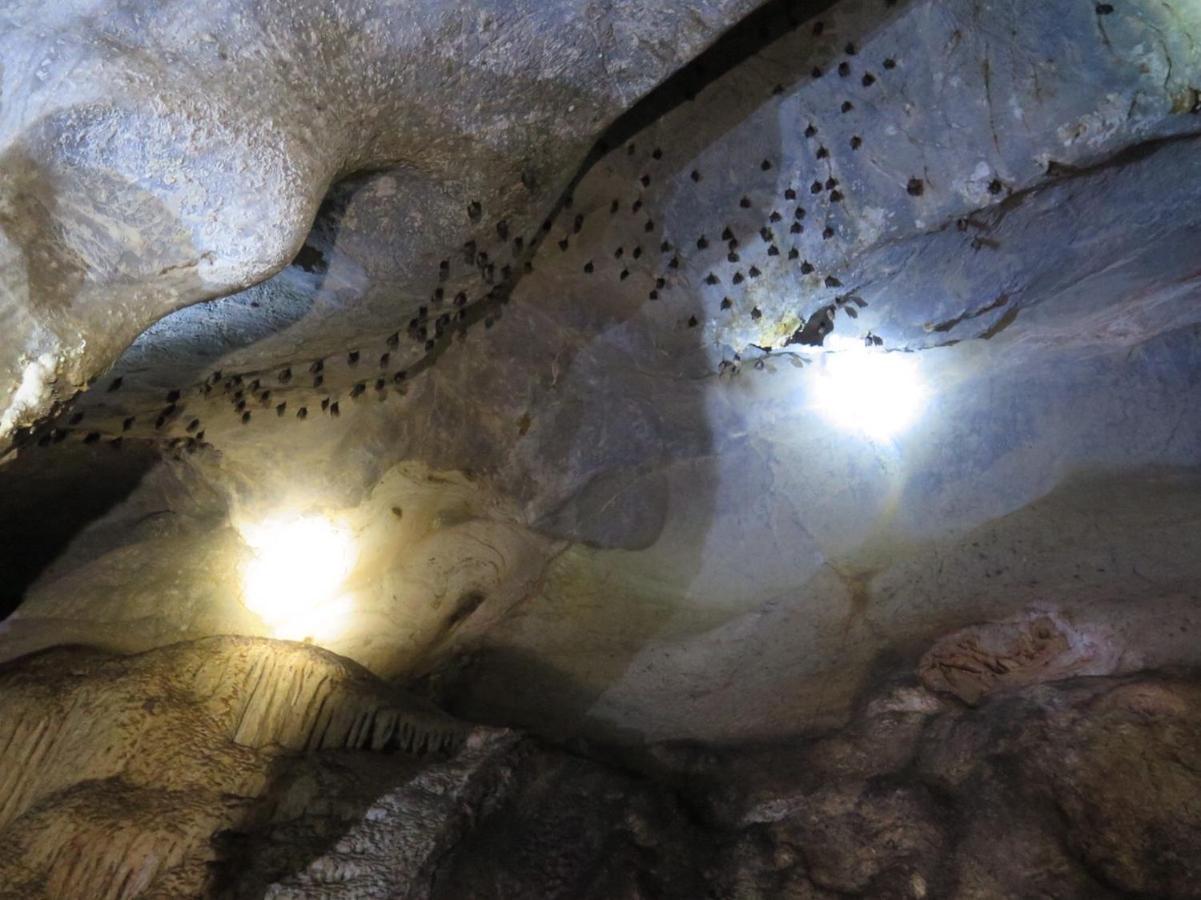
column 240, row 767
column 777, row 422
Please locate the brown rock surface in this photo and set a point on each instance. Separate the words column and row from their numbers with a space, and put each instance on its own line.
column 1035, row 646
column 247, row 767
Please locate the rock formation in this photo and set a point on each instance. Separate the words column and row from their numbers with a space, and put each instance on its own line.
column 767, row 433
column 245, row 767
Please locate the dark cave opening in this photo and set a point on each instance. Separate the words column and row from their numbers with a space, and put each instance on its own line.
column 48, row 497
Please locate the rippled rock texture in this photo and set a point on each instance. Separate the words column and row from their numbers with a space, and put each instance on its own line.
column 119, row 772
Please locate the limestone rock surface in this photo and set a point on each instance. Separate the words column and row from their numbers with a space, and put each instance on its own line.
column 238, row 767
column 548, row 303
column 675, row 538
column 245, row 113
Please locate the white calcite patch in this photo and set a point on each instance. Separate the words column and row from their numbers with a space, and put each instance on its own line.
column 26, row 401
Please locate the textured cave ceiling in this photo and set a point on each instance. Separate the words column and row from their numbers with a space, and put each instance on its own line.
column 540, row 298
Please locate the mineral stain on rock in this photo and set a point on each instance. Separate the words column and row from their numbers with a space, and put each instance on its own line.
column 1035, row 647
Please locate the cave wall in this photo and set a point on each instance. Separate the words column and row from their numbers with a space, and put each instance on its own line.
column 246, row 113
column 619, row 445
column 541, row 301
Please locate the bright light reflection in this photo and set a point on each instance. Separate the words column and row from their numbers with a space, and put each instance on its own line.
column 293, row 581
column 874, row 393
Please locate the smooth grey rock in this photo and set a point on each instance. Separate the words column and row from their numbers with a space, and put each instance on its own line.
column 245, row 113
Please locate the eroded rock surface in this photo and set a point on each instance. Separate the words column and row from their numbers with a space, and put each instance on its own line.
column 245, row 113
column 674, row 539
column 247, row 768
column 1041, row 792
column 117, row 771
column 585, row 446
column 1037, row 646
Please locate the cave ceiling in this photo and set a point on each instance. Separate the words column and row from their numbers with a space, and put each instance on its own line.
column 541, row 298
